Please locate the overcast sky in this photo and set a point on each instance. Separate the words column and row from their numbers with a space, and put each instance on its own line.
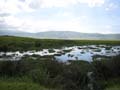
column 89, row 16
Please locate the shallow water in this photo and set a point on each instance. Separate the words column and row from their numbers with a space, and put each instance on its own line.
column 87, row 53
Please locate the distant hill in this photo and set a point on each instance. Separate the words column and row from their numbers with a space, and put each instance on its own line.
column 62, row 35
column 15, row 33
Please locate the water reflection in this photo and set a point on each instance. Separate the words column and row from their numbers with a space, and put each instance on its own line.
column 86, row 52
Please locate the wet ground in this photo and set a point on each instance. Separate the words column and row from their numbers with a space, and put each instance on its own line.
column 86, row 52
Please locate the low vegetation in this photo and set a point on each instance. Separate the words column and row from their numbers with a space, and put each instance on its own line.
column 49, row 74
column 11, row 43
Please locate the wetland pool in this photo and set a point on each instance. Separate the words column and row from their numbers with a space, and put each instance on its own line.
column 85, row 52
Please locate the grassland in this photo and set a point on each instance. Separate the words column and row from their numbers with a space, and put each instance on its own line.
column 4, row 85
column 113, row 84
column 48, row 74
column 11, row 43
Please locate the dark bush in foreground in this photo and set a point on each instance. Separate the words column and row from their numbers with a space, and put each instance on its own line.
column 77, row 75
column 106, row 69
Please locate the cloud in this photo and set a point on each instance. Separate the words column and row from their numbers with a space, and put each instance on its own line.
column 73, row 24
column 92, row 3
column 22, row 0
column 2, row 14
column 65, row 3
column 111, row 6
column 32, row 25
column 63, row 19
column 20, row 6
column 14, row 6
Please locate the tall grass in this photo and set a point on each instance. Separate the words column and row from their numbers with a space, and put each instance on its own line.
column 10, row 43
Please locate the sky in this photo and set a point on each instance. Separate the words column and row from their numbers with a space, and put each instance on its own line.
column 88, row 16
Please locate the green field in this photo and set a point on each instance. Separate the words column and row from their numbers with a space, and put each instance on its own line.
column 20, row 86
column 11, row 43
column 49, row 74
column 113, row 84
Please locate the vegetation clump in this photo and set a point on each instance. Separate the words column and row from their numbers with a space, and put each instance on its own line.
column 45, row 73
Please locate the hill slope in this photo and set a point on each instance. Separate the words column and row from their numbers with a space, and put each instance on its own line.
column 62, row 35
